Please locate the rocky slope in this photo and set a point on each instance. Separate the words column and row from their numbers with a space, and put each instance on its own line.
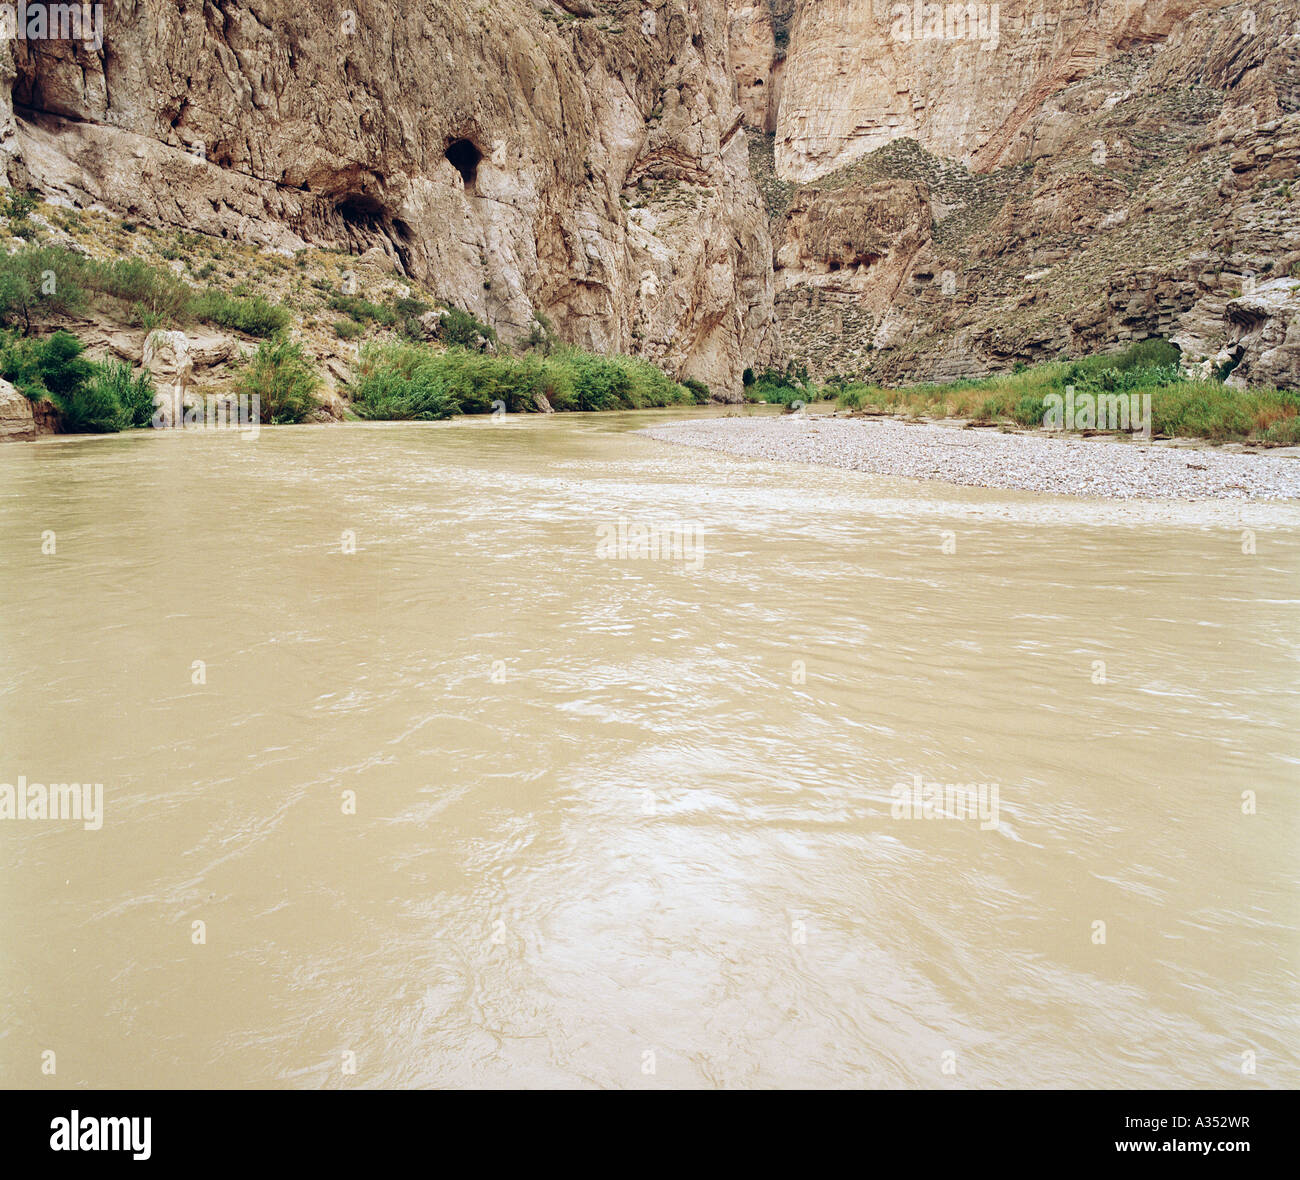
column 948, row 200
column 581, row 159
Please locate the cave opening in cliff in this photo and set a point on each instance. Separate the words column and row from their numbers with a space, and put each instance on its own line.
column 360, row 211
column 464, row 157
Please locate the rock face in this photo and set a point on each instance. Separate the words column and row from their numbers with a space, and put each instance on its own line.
column 945, row 191
column 1264, row 332
column 953, row 190
column 581, row 160
column 967, row 82
column 17, row 422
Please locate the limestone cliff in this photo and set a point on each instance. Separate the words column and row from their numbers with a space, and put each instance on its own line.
column 957, row 188
column 583, row 160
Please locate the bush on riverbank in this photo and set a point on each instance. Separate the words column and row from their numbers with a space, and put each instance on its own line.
column 782, row 388
column 92, row 398
column 410, row 381
column 398, row 381
column 283, row 380
column 1179, row 406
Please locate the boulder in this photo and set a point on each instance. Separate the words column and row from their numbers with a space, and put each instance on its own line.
column 1264, row 327
column 17, row 421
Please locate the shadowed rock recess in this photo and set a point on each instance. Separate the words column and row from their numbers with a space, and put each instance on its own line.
column 948, row 191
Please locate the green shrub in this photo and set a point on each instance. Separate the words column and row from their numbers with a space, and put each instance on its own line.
column 134, row 394
column 91, row 409
column 541, row 336
column 282, row 378
column 778, row 388
column 18, row 205
column 348, row 329
column 87, row 406
column 92, row 398
column 39, row 279
column 597, row 383
column 411, row 381
column 476, row 381
column 698, row 390
column 1285, row 432
column 52, row 367
column 1149, row 354
column 362, row 310
column 252, row 315
column 408, row 312
column 459, row 327
column 1029, row 410
column 400, row 381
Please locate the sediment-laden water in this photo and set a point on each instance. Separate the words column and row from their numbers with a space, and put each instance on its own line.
column 498, row 799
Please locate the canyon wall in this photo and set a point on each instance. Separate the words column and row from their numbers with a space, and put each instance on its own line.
column 581, row 160
column 853, row 186
column 955, row 189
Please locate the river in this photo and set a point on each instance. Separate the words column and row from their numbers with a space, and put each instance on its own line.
column 418, row 771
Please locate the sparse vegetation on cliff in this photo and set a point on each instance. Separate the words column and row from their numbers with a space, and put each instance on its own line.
column 54, row 280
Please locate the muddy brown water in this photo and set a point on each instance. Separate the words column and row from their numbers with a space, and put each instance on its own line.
column 498, row 799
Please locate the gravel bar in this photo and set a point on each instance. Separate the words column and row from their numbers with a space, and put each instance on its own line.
column 988, row 458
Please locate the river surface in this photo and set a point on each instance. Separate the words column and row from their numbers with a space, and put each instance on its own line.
column 496, row 800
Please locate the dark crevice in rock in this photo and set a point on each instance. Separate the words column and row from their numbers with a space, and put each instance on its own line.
column 464, row 156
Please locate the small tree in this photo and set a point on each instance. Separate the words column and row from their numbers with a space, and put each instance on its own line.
column 41, row 279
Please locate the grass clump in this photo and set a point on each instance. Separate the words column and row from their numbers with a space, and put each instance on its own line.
column 1180, row 407
column 116, row 381
column 283, row 380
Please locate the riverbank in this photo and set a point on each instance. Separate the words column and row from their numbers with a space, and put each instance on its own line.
column 990, row 458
